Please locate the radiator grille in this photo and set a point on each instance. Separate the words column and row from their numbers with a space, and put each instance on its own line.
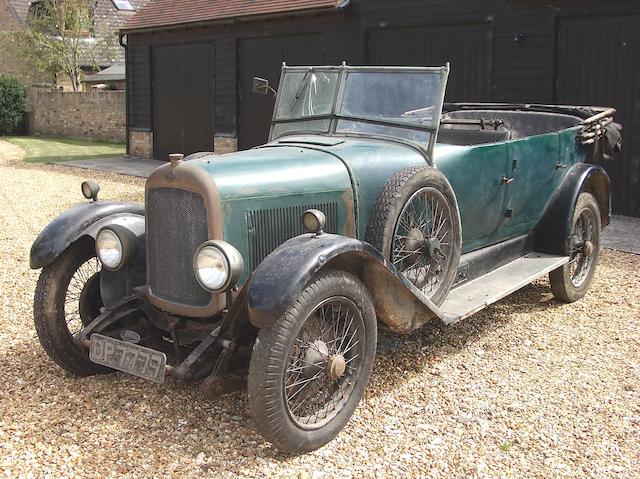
column 270, row 228
column 176, row 225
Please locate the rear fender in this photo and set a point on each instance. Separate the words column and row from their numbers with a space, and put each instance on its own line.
column 281, row 277
column 552, row 233
column 77, row 222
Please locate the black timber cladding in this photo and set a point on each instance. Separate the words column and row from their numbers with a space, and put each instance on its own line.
column 510, row 51
column 263, row 57
column 183, row 98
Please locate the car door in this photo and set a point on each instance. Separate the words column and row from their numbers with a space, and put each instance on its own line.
column 477, row 177
column 535, row 173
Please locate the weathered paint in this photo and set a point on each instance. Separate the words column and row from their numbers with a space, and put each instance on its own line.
column 263, row 179
column 541, row 166
column 475, row 173
column 352, row 171
column 493, row 210
column 76, row 222
column 370, row 162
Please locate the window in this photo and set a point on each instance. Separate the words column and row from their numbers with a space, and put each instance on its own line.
column 123, row 5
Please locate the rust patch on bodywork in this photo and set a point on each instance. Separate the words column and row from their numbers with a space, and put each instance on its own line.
column 395, row 305
column 351, row 220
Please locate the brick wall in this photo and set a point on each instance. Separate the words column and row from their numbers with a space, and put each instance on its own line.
column 225, row 144
column 95, row 115
column 141, row 143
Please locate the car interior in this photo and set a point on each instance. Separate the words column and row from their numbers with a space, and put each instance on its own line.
column 475, row 127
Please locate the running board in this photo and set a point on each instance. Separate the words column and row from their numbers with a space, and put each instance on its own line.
column 471, row 297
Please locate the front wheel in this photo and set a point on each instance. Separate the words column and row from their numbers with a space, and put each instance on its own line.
column 571, row 282
column 68, row 298
column 309, row 369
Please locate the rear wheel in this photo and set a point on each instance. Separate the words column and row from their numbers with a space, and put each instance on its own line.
column 67, row 298
column 571, row 282
column 309, row 369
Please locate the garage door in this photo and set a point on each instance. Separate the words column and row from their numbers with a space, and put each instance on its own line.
column 183, row 99
column 263, row 57
column 598, row 63
column 467, row 46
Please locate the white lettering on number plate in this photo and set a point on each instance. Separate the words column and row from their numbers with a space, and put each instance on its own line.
column 128, row 357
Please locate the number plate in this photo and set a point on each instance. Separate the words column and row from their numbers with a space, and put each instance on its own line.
column 128, row 357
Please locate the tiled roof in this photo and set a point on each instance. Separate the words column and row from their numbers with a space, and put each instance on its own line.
column 107, row 21
column 20, row 8
column 164, row 13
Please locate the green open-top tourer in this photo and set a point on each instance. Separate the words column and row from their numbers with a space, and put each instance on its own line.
column 373, row 205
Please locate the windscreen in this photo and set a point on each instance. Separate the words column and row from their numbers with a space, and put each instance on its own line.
column 307, row 93
column 396, row 96
column 396, row 102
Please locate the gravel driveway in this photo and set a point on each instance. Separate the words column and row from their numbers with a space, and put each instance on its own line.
column 527, row 388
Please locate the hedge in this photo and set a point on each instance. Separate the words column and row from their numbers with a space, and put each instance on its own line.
column 13, row 102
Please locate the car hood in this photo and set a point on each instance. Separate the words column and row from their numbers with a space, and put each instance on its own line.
column 305, row 165
column 265, row 172
column 370, row 162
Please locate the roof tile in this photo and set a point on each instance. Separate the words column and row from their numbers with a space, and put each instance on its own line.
column 162, row 13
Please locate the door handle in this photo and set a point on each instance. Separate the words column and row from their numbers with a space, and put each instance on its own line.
column 506, row 181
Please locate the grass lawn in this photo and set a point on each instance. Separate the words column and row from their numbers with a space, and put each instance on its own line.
column 40, row 149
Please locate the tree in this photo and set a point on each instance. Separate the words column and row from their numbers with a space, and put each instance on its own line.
column 60, row 38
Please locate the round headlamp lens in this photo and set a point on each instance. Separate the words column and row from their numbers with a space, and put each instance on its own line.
column 109, row 248
column 212, row 268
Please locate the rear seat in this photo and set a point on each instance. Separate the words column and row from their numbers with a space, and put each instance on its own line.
column 466, row 136
column 521, row 123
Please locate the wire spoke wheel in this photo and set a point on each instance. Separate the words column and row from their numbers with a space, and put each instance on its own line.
column 82, row 300
column 66, row 299
column 422, row 240
column 310, row 367
column 582, row 247
column 572, row 280
column 415, row 224
column 324, row 362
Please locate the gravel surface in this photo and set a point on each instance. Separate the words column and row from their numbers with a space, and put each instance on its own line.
column 527, row 388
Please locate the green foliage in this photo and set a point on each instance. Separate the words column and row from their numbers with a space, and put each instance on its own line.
column 13, row 102
column 60, row 38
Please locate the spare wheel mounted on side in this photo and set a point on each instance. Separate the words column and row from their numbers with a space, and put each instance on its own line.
column 415, row 224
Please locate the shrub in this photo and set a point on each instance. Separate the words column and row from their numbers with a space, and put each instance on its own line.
column 13, row 102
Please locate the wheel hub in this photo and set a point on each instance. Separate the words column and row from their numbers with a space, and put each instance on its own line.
column 336, row 366
column 415, row 240
column 433, row 246
column 315, row 358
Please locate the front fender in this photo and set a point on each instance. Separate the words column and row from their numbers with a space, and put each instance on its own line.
column 76, row 222
column 282, row 276
column 553, row 231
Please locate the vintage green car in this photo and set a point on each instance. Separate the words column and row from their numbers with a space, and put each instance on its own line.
column 413, row 210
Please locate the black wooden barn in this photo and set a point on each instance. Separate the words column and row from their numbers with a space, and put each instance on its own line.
column 190, row 62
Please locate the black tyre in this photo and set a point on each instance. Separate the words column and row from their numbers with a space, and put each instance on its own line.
column 309, row 369
column 415, row 224
column 571, row 282
column 67, row 298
